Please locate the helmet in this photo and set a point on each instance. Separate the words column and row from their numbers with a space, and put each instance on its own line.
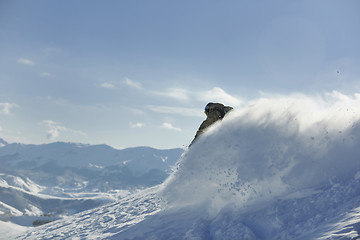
column 207, row 108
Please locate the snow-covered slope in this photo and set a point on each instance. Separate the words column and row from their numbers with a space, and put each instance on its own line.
column 283, row 167
column 25, row 184
column 17, row 202
column 8, row 230
column 39, row 183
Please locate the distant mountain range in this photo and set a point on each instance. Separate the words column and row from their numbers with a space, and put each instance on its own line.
column 64, row 178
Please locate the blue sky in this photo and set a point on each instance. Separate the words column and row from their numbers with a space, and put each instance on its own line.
column 139, row 73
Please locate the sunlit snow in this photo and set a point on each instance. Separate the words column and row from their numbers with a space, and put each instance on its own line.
column 283, row 167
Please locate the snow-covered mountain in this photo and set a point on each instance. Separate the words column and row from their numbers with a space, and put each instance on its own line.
column 87, row 167
column 65, row 178
column 281, row 168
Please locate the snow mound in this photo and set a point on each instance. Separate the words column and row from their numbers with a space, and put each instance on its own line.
column 273, row 147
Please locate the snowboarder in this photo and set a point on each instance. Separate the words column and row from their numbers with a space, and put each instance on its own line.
column 214, row 112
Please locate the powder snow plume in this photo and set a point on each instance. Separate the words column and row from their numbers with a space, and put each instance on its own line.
column 273, row 147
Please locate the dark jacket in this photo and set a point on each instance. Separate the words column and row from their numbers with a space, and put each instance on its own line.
column 215, row 112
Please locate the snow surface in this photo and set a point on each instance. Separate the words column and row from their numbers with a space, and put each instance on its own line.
column 65, row 178
column 43, row 183
column 283, row 167
column 8, row 230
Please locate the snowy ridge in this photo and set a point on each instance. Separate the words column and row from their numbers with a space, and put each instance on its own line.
column 284, row 167
column 25, row 184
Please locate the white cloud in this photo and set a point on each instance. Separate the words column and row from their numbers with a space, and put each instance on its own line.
column 54, row 129
column 189, row 112
column 5, row 108
column 169, row 126
column 107, row 85
column 1, row 128
column 176, row 93
column 25, row 61
column 47, row 75
column 132, row 83
column 136, row 125
column 217, row 94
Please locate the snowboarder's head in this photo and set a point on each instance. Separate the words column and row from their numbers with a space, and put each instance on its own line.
column 207, row 108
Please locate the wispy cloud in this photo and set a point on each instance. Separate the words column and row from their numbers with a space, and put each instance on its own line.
column 217, row 94
column 47, row 75
column 6, row 107
column 136, row 125
column 25, row 61
column 169, row 126
column 176, row 93
column 1, row 128
column 133, row 84
column 190, row 112
column 54, row 129
column 107, row 85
